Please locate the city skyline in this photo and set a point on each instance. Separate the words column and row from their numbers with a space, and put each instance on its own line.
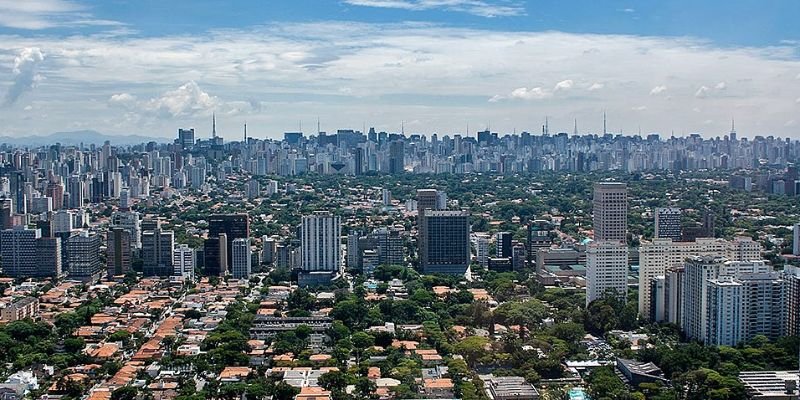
column 420, row 66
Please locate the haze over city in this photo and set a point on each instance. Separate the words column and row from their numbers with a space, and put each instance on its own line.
column 429, row 66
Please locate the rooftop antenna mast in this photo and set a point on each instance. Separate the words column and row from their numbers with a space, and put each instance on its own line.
column 403, row 128
column 546, row 126
column 605, row 130
column 318, row 129
column 213, row 125
column 575, row 130
column 245, row 131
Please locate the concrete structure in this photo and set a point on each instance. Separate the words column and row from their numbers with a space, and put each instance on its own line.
column 656, row 256
column 83, row 255
column 668, row 224
column 444, row 242
column 606, row 270
column 158, row 249
column 796, row 240
column 610, row 211
column 184, row 262
column 241, row 266
column 119, row 252
column 771, row 385
column 218, row 253
column 320, row 240
column 26, row 307
column 510, row 388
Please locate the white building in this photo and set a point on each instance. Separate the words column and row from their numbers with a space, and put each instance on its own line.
column 184, row 262
column 606, row 269
column 62, row 221
column 668, row 223
column 610, row 211
column 796, row 240
column 320, row 241
column 656, row 256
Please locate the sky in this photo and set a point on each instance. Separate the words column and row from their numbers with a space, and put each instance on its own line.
column 429, row 66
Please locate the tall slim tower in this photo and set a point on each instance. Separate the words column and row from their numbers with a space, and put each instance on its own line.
column 213, row 125
column 610, row 206
column 607, row 256
column 321, row 242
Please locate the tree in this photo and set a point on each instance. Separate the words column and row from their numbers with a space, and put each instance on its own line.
column 124, row 393
column 472, row 348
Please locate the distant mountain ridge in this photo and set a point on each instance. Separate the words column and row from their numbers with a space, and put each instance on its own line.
column 86, row 137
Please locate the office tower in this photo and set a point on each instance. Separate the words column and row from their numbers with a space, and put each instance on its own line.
column 657, row 256
column 668, row 223
column 197, row 177
column 658, row 287
column 444, row 242
column 389, row 243
column 430, row 199
column 538, row 237
column 358, row 161
column 241, row 258
column 267, row 250
column 158, row 249
column 83, row 257
column 791, row 325
column 725, row 309
column 673, row 295
column 124, row 199
column 232, row 226
column 119, row 252
column 606, row 270
column 396, row 157
column 353, row 252
column 796, row 240
column 610, row 208
column 184, row 262
column 386, row 197
column 518, row 256
column 503, row 244
column 56, row 192
column 320, row 242
column 25, row 254
column 75, row 187
column 185, row 138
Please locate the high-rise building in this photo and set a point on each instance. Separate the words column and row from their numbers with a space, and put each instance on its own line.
column 320, row 241
column 428, row 199
column 481, row 245
column 76, row 188
column 233, row 226
column 56, row 192
column 185, row 138
column 503, row 244
column 63, row 221
column 158, row 249
column 791, row 325
column 241, row 261
column 119, row 252
column 83, row 257
column 610, row 208
column 606, row 270
column 538, row 237
column 796, row 240
column 657, row 256
column 130, row 222
column 668, row 224
column 444, row 242
column 184, row 262
column 25, row 254
column 396, row 157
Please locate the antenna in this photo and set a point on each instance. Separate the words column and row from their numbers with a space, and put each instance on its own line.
column 213, row 125
column 300, row 125
column 575, row 131
column 318, row 130
column 467, row 128
column 733, row 125
column 403, row 128
column 604, row 123
column 546, row 126
column 245, row 131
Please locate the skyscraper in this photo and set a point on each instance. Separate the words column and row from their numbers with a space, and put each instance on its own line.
column 320, row 239
column 610, row 208
column 241, row 260
column 607, row 256
column 444, row 242
column 119, row 252
column 158, row 252
column 503, row 248
column 796, row 240
column 396, row 157
column 24, row 253
column 83, row 255
column 233, row 226
column 668, row 223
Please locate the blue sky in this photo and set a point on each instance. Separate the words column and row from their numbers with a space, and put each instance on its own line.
column 150, row 67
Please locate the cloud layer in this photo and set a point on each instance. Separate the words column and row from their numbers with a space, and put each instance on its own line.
column 481, row 8
column 440, row 78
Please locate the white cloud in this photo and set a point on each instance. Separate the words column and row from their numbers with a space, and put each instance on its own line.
column 278, row 74
column 639, row 108
column 721, row 86
column 187, row 100
column 563, row 85
column 44, row 14
column 524, row 93
column 657, row 90
column 481, row 8
column 596, row 86
column 702, row 92
column 24, row 73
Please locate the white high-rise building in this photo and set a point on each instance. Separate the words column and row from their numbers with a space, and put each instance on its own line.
column 241, row 260
column 184, row 262
column 607, row 256
column 320, row 242
column 606, row 270
column 657, row 256
column 796, row 240
column 62, row 221
column 481, row 245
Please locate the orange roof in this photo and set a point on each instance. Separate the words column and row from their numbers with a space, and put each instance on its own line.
column 441, row 383
column 234, row 373
column 319, row 357
column 107, row 350
column 102, row 319
column 408, row 344
column 426, row 351
column 100, row 394
column 373, row 373
column 313, row 393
